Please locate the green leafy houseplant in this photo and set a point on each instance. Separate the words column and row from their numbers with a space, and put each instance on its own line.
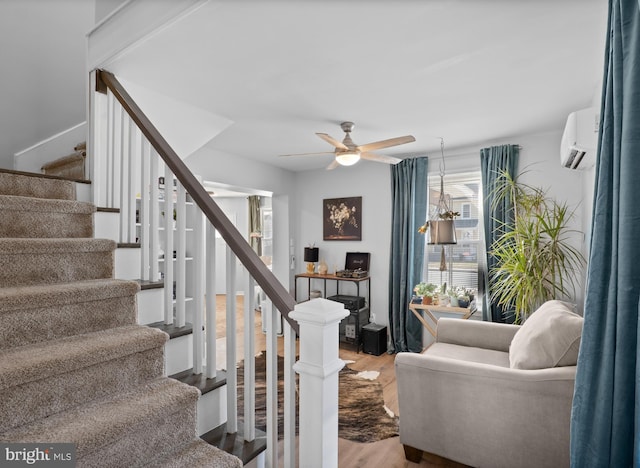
column 535, row 261
column 426, row 290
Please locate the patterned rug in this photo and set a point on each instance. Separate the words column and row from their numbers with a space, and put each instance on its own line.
column 362, row 415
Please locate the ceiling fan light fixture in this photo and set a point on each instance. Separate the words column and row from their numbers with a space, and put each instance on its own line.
column 348, row 158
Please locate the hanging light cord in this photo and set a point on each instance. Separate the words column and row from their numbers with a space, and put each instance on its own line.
column 442, row 203
column 442, row 168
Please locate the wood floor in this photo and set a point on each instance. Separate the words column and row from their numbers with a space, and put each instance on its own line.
column 386, row 453
column 389, row 452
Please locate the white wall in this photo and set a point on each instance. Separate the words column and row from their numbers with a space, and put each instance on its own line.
column 540, row 160
column 236, row 209
column 236, row 171
column 57, row 146
column 297, row 203
column 371, row 181
column 539, row 155
column 43, row 71
column 104, row 7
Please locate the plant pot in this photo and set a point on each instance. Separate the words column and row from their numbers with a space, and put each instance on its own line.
column 427, row 300
column 453, row 301
column 464, row 303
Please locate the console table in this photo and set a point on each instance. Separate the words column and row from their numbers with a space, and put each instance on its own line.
column 337, row 279
column 465, row 313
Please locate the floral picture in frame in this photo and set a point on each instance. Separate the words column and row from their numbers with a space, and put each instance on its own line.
column 342, row 218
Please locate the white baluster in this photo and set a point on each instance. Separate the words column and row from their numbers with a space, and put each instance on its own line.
column 154, row 214
column 132, row 172
column 249, row 358
column 146, row 263
column 232, row 376
column 271, row 316
column 168, row 246
column 97, row 142
column 111, row 123
column 117, row 155
column 289, row 395
column 181, row 247
column 123, row 176
column 211, row 300
column 198, row 291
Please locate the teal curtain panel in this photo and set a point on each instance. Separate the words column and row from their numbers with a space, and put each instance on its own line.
column 606, row 404
column 496, row 216
column 409, row 209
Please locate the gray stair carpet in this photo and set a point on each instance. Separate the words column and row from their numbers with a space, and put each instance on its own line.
column 38, row 217
column 74, row 365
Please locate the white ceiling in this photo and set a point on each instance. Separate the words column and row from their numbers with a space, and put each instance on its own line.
column 467, row 71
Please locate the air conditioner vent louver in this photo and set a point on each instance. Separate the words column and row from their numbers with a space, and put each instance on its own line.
column 575, row 158
column 579, row 140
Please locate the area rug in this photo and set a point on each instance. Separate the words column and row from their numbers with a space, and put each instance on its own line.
column 362, row 415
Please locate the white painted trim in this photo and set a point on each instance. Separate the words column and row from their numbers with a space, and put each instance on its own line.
column 130, row 25
column 49, row 140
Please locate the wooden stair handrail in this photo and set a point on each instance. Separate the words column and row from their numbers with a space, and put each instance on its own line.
column 264, row 277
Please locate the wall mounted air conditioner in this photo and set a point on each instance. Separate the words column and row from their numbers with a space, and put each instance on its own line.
column 580, row 138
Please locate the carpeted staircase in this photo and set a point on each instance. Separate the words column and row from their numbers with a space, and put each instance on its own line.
column 74, row 366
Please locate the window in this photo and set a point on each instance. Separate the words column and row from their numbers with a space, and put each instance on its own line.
column 463, row 195
column 465, row 210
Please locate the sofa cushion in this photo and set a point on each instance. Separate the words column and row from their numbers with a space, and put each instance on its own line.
column 469, row 354
column 550, row 337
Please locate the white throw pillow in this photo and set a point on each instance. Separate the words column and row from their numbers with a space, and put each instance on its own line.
column 550, row 337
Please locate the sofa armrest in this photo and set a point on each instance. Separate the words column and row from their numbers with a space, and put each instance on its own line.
column 474, row 333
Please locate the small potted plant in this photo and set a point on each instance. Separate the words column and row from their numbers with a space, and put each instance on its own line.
column 452, row 292
column 463, row 300
column 427, row 291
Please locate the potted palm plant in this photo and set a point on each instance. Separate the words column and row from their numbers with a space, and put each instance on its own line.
column 536, row 260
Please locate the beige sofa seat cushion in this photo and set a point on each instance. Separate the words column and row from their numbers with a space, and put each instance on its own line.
column 469, row 354
column 550, row 337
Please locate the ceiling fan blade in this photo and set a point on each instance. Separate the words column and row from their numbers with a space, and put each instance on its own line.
column 380, row 158
column 304, row 154
column 333, row 165
column 386, row 143
column 332, row 141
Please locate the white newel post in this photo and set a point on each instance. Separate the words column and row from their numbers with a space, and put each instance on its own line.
column 318, row 367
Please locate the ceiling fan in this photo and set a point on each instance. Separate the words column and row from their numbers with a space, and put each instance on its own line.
column 347, row 153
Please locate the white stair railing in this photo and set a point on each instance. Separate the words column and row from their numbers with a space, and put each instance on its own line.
column 135, row 170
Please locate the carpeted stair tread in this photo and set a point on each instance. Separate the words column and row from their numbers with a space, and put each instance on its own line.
column 47, row 261
column 14, row 202
column 41, row 360
column 49, row 295
column 74, row 365
column 40, row 217
column 198, row 454
column 14, row 246
column 31, row 314
column 71, row 166
column 101, row 423
column 32, row 185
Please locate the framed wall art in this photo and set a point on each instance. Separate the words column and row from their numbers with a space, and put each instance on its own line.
column 342, row 218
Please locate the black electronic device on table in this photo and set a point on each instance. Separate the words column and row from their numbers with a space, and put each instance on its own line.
column 350, row 302
column 356, row 265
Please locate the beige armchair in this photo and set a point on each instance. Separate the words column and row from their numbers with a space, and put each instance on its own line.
column 462, row 399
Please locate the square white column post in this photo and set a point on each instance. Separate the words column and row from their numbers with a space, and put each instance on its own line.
column 318, row 367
